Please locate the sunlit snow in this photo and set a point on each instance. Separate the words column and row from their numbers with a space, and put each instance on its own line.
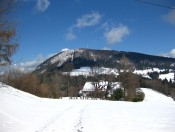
column 86, row 71
column 22, row 112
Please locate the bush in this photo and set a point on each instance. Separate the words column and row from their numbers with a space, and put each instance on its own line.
column 139, row 96
column 117, row 94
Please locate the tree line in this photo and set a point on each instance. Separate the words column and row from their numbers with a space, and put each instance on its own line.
column 60, row 84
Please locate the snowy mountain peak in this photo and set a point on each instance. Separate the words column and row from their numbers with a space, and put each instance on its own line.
column 65, row 49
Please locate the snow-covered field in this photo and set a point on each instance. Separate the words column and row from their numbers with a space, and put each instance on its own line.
column 22, row 112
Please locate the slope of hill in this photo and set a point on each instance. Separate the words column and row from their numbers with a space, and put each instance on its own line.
column 74, row 59
column 22, row 112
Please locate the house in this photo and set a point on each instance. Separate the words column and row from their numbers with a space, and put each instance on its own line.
column 87, row 89
column 101, row 87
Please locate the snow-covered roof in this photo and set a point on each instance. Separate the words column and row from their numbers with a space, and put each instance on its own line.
column 89, row 86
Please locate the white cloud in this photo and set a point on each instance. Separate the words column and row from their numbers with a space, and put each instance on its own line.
column 42, row 5
column 170, row 17
column 169, row 54
column 70, row 35
column 116, row 34
column 172, row 53
column 28, row 66
column 88, row 20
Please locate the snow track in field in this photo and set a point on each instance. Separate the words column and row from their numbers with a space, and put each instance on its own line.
column 67, row 120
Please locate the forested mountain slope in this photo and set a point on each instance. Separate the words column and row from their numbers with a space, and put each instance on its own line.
column 74, row 59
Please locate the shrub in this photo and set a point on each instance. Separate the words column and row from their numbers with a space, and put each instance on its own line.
column 139, row 96
column 117, row 94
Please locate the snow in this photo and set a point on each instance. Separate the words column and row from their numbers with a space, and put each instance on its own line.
column 62, row 57
column 167, row 76
column 88, row 87
column 65, row 49
column 145, row 72
column 82, row 71
column 87, row 71
column 23, row 112
column 154, row 96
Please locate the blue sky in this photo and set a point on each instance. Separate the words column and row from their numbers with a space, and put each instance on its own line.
column 44, row 27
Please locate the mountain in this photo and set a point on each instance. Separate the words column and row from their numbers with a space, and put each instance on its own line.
column 67, row 60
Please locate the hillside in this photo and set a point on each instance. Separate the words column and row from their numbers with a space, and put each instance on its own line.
column 74, row 59
column 22, row 112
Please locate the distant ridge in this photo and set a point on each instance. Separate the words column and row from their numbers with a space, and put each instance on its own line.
column 67, row 60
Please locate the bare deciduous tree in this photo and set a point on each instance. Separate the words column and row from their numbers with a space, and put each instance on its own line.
column 125, row 64
column 8, row 43
column 129, row 80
